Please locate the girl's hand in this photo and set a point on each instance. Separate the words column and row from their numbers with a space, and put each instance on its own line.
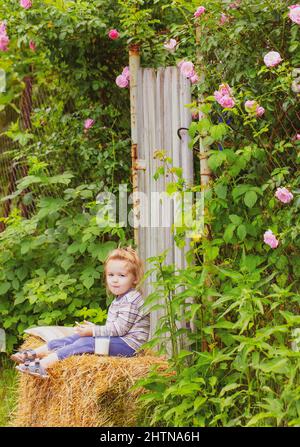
column 84, row 330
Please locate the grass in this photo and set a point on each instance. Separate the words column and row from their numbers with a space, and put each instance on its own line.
column 7, row 389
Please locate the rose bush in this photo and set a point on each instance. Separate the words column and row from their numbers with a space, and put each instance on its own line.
column 51, row 262
column 240, row 369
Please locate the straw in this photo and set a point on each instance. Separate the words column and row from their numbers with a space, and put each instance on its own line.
column 84, row 391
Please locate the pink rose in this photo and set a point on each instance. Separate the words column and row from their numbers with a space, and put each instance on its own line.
column 250, row 105
column 113, row 34
column 88, row 123
column 201, row 10
column 4, row 39
column 179, row 64
column 122, row 81
column 197, row 115
column 218, row 96
column 227, row 102
column 32, row 45
column 194, row 79
column 187, row 69
column 224, row 89
column 170, row 45
column 272, row 59
column 294, row 13
column 234, row 5
column 259, row 111
column 126, row 73
column 284, row 195
column 224, row 19
column 224, row 96
column 26, row 4
column 298, row 136
column 270, row 239
column 2, row 28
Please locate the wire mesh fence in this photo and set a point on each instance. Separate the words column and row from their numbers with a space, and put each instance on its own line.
column 15, row 154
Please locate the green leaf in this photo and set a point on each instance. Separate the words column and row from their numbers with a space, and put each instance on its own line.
column 258, row 417
column 290, row 318
column 104, row 249
column 250, row 262
column 193, row 129
column 228, row 234
column 207, row 141
column 237, row 220
column 63, row 179
column 4, row 287
column 20, row 299
column 203, row 125
column 224, row 324
column 230, row 274
column 21, row 137
column 250, row 199
column 293, row 47
column 199, row 402
column 280, row 365
column 240, row 190
column 218, row 131
column 88, row 282
column 205, row 108
column 230, row 387
column 241, row 232
column 212, row 253
column 221, row 191
column 22, row 272
column 50, row 205
column 160, row 171
column 67, row 262
column 171, row 188
column 216, row 160
column 183, row 353
column 73, row 248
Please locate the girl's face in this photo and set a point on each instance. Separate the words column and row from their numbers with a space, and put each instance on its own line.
column 118, row 277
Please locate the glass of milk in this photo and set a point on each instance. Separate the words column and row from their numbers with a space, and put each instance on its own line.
column 102, row 345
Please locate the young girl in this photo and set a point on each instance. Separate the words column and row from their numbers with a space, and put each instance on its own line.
column 127, row 323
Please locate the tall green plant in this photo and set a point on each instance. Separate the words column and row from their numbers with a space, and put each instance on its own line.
column 243, row 368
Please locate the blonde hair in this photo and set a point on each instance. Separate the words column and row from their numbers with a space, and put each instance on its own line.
column 135, row 264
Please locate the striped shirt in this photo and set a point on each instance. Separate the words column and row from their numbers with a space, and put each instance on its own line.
column 126, row 319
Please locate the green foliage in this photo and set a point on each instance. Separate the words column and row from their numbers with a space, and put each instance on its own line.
column 232, row 317
column 239, row 369
column 8, row 376
column 73, row 71
column 242, row 297
column 51, row 266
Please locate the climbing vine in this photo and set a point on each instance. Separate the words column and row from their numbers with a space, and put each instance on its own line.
column 71, row 148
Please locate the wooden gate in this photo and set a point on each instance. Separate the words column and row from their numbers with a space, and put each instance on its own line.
column 158, row 100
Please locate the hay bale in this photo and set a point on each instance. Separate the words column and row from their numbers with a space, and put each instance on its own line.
column 83, row 391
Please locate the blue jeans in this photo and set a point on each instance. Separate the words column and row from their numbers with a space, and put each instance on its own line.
column 75, row 345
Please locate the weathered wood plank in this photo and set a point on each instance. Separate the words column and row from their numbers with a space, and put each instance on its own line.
column 162, row 95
